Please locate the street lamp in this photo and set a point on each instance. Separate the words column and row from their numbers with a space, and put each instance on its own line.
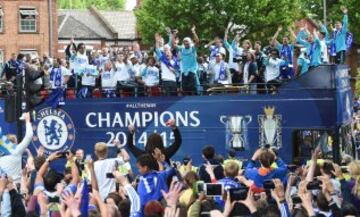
column 324, row 3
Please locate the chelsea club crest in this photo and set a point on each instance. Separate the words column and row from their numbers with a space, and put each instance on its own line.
column 53, row 129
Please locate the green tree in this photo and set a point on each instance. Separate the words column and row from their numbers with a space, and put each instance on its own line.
column 83, row 4
column 261, row 17
column 315, row 8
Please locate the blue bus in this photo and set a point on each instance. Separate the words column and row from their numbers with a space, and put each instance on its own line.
column 313, row 109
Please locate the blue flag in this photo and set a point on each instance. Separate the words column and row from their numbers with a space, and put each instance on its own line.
column 56, row 98
column 6, row 146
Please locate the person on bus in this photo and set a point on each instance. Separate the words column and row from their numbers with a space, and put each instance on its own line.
column 286, row 52
column 219, row 70
column 312, row 44
column 189, row 66
column 155, row 143
column 339, row 38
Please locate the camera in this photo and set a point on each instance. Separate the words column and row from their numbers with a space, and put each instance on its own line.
column 314, row 185
column 110, row 175
column 210, row 189
column 238, row 193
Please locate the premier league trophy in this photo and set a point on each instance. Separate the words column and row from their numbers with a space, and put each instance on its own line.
column 270, row 129
column 236, row 131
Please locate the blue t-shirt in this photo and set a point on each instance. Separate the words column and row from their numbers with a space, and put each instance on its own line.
column 188, row 60
column 304, row 63
column 151, row 184
column 313, row 49
column 340, row 36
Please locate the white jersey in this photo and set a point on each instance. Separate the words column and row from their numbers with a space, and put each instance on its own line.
column 108, row 80
column 272, row 69
column 123, row 71
column 150, row 75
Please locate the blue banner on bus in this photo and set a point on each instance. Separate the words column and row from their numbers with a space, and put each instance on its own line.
column 223, row 121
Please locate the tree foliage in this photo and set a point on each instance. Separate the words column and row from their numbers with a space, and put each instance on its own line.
column 99, row 4
column 261, row 17
column 314, row 9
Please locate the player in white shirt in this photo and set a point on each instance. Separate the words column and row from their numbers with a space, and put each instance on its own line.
column 272, row 71
column 150, row 74
column 219, row 70
column 124, row 76
column 108, row 81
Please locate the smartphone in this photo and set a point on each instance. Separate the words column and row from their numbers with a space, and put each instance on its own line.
column 269, row 184
column 212, row 190
column 63, row 154
column 296, row 199
column 88, row 158
column 54, row 199
column 314, row 185
column 238, row 193
column 110, row 175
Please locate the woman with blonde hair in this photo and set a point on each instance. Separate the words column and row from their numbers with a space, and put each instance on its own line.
column 354, row 183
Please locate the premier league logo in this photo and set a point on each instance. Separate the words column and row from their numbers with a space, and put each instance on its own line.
column 270, row 128
column 53, row 129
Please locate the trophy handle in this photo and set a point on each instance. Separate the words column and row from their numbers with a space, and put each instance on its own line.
column 249, row 119
column 223, row 119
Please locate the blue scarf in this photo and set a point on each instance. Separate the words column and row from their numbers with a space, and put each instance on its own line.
column 213, row 51
column 222, row 73
column 286, row 53
column 333, row 45
column 167, row 62
column 312, row 49
column 349, row 40
column 56, row 77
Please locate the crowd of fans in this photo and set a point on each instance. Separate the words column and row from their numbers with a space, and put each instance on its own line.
column 175, row 68
column 105, row 183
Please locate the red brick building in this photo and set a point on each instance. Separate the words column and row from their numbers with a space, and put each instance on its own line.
column 28, row 26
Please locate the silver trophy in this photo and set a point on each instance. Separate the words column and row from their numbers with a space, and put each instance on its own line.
column 237, row 127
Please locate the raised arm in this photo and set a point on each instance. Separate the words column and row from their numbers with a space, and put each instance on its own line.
column 171, row 150
column 274, row 39
column 292, row 33
column 226, row 42
column 345, row 20
column 195, row 36
column 22, row 146
column 130, row 143
column 39, row 180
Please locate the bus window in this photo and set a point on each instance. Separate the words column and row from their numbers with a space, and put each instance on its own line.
column 346, row 140
column 305, row 142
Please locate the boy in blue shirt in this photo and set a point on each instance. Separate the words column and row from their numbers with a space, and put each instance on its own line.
column 265, row 172
column 339, row 38
column 151, row 182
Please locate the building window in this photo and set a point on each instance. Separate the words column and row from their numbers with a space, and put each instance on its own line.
column 32, row 52
column 28, row 19
column 1, row 19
